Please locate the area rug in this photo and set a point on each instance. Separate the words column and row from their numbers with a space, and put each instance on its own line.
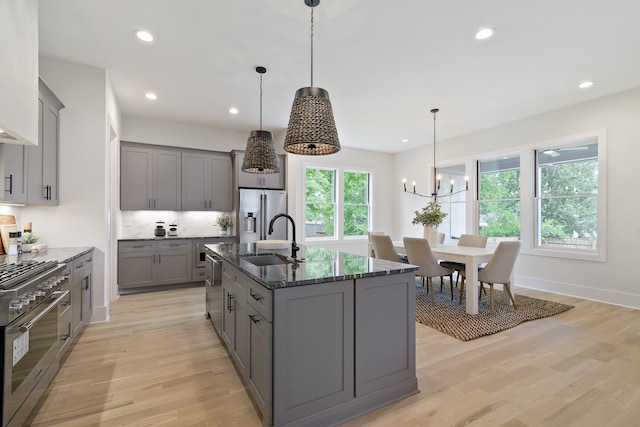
column 451, row 318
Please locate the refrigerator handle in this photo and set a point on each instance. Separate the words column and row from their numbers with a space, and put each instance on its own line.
column 263, row 217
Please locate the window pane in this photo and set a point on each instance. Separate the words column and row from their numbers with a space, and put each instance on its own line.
column 320, row 202
column 500, row 218
column 356, row 203
column 499, row 198
column 569, row 223
column 567, row 189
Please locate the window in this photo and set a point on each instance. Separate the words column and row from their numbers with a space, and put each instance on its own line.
column 333, row 210
column 452, row 196
column 320, row 202
column 499, row 198
column 567, row 197
column 356, row 203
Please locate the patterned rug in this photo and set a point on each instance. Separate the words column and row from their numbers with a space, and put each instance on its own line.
column 450, row 317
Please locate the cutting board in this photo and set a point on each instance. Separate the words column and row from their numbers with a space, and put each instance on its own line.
column 6, row 220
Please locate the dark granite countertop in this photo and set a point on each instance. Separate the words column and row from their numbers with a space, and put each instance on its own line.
column 137, row 239
column 320, row 265
column 51, row 254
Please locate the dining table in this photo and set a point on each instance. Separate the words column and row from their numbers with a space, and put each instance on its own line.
column 470, row 256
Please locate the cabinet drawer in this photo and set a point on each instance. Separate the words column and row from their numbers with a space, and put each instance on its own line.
column 142, row 246
column 174, row 245
column 68, row 271
column 83, row 265
column 198, row 274
column 260, row 299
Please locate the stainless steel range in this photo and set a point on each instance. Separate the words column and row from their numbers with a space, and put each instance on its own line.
column 31, row 301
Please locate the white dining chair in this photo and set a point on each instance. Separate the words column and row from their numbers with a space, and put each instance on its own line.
column 471, row 240
column 383, row 247
column 419, row 253
column 498, row 270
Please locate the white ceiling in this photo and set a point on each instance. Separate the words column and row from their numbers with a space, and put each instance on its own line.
column 384, row 63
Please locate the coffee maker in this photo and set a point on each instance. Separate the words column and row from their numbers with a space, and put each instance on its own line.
column 160, row 231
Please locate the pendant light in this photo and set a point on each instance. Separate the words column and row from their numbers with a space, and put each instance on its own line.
column 312, row 128
column 260, row 155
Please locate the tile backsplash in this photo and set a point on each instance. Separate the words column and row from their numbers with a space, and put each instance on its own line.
column 141, row 224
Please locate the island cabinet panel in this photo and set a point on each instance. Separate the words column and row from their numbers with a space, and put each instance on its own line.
column 259, row 361
column 235, row 316
column 313, row 346
column 385, row 332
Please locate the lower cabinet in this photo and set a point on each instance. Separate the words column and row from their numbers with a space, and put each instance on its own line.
column 78, row 309
column 318, row 355
column 150, row 263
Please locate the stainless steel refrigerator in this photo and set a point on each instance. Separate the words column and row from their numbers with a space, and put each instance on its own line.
column 254, row 211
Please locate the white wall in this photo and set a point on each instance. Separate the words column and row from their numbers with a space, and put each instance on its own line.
column 609, row 281
column 81, row 217
column 163, row 132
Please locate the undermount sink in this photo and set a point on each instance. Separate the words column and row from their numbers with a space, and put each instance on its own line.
column 267, row 259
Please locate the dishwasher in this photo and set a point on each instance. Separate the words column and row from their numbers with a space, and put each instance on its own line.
column 213, row 291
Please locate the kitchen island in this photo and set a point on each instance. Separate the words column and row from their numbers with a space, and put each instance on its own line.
column 317, row 342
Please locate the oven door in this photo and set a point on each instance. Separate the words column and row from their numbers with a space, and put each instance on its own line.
column 31, row 345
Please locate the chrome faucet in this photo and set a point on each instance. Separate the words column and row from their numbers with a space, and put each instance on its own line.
column 294, row 247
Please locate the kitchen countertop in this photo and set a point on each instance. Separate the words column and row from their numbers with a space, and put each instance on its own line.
column 154, row 238
column 51, row 254
column 320, row 265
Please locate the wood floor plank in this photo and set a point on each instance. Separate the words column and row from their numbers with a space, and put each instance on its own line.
column 158, row 362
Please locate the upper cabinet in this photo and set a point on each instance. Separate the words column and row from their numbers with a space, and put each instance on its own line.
column 150, row 177
column 257, row 180
column 42, row 160
column 206, row 181
column 19, row 71
column 13, row 170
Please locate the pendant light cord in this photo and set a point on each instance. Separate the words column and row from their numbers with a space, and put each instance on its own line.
column 312, row 46
column 260, row 101
column 435, row 170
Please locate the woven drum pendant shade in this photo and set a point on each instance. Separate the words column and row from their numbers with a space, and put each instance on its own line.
column 312, row 128
column 260, row 155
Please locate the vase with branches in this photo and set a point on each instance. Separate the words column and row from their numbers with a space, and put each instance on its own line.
column 430, row 217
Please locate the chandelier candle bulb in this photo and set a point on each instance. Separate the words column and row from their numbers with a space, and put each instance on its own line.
column 439, row 178
column 466, row 183
column 451, row 188
column 414, row 186
column 404, row 183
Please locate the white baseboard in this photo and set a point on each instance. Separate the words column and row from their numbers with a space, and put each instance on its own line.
column 100, row 314
column 623, row 299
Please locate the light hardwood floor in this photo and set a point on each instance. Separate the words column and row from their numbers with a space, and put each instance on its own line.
column 158, row 362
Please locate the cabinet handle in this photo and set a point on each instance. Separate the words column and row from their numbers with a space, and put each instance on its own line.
column 135, row 246
column 230, row 306
column 174, row 244
column 254, row 319
column 10, row 178
column 86, row 284
column 149, row 203
column 159, row 258
column 154, row 258
column 80, row 266
column 256, row 296
column 154, row 203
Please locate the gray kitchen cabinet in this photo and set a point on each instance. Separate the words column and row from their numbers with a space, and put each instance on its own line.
column 42, row 160
column 150, row 177
column 313, row 349
column 83, row 274
column 13, row 169
column 257, row 180
column 206, row 181
column 235, row 317
column 316, row 353
column 174, row 262
column 151, row 263
column 259, row 359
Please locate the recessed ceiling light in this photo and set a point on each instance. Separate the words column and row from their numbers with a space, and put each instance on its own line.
column 484, row 33
column 405, row 140
column 143, row 35
column 585, row 84
column 233, row 110
column 1, row 130
column 152, row 96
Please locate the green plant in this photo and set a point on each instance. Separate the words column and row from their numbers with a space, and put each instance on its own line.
column 224, row 221
column 431, row 215
column 29, row 238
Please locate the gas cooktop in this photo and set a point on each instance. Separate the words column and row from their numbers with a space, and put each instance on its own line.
column 16, row 273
